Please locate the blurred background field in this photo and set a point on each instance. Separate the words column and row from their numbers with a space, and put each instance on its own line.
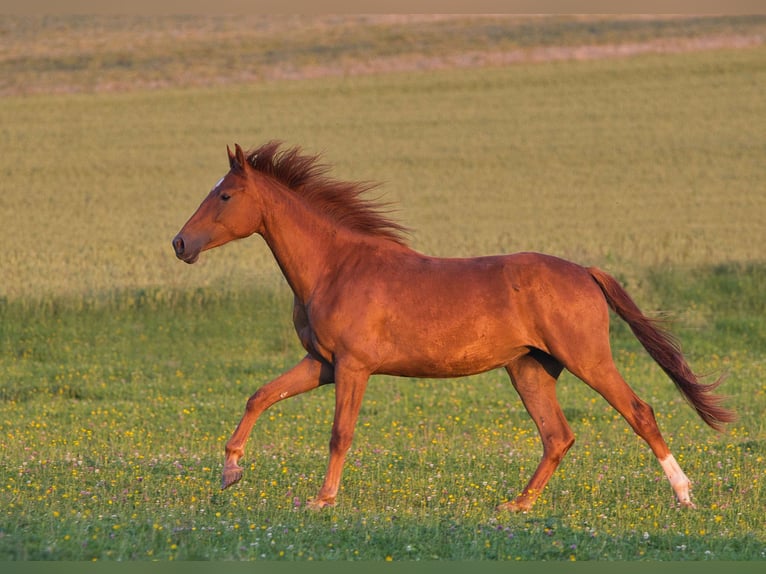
column 635, row 144
column 64, row 54
column 638, row 161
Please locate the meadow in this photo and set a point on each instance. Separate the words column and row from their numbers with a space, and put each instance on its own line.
column 123, row 371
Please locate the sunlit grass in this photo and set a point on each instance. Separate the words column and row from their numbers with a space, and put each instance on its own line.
column 113, row 422
column 651, row 161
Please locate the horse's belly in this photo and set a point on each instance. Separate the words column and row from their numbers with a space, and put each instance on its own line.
column 457, row 362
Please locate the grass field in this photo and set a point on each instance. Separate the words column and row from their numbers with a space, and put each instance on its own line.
column 123, row 371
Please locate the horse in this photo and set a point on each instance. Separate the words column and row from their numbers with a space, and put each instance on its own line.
column 366, row 303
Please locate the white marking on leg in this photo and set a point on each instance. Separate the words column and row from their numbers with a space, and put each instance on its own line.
column 678, row 480
column 283, row 395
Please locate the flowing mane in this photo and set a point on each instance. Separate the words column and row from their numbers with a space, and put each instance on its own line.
column 342, row 201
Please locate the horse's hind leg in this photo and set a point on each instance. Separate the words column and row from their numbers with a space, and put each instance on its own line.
column 608, row 382
column 534, row 377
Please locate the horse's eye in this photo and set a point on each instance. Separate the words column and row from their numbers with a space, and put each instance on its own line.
column 225, row 197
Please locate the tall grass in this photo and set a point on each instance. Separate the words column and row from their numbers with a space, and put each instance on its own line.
column 630, row 163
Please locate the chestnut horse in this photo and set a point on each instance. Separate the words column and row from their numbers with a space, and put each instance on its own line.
column 366, row 303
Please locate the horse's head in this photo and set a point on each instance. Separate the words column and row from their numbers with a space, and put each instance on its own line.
column 224, row 215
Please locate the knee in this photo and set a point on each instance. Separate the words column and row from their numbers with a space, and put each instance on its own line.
column 555, row 447
column 340, row 441
column 570, row 440
column 565, row 439
column 254, row 402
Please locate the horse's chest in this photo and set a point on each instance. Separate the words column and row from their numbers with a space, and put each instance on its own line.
column 309, row 338
column 315, row 348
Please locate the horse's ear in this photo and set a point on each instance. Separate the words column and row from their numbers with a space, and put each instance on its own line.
column 240, row 156
column 237, row 159
column 232, row 157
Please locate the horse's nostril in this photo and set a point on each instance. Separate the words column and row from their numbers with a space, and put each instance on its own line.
column 178, row 245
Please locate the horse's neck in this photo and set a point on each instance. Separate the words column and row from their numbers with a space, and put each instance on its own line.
column 304, row 242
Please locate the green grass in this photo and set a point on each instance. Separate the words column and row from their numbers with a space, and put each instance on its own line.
column 123, row 371
column 113, row 420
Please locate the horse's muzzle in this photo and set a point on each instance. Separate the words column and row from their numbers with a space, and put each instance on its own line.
column 178, row 245
column 180, row 248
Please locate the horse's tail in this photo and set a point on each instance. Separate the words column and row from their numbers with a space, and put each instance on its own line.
column 665, row 350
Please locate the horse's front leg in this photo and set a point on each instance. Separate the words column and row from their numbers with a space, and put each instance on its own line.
column 350, row 384
column 305, row 376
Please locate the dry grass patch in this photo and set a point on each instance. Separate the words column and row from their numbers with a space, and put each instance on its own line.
column 68, row 54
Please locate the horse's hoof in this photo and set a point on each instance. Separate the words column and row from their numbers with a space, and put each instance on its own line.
column 514, row 506
column 319, row 503
column 230, row 476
